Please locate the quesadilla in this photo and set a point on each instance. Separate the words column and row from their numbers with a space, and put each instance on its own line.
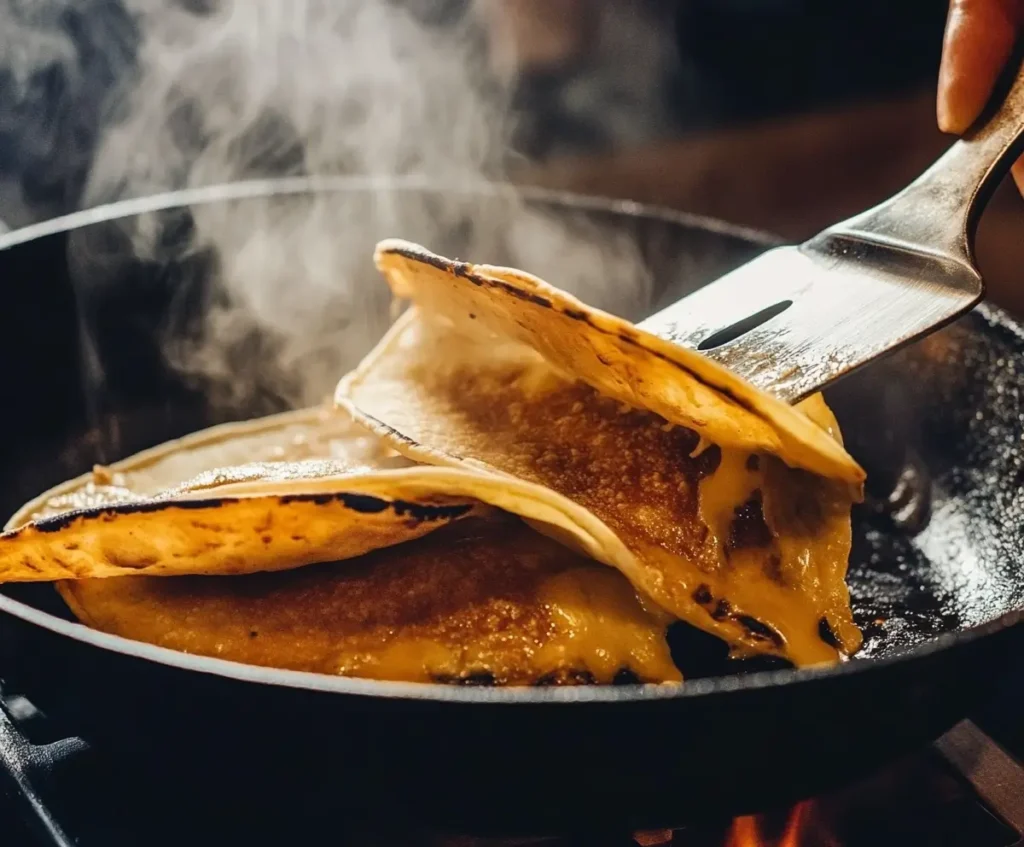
column 731, row 510
column 259, row 516
column 512, row 488
column 441, row 581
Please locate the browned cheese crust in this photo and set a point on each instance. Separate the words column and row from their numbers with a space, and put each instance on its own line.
column 479, row 602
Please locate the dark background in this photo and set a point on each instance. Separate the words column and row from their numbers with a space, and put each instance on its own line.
column 648, row 70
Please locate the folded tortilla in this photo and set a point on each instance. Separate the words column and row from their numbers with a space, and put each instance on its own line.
column 730, row 511
column 315, row 433
column 138, row 517
column 484, row 601
column 618, row 359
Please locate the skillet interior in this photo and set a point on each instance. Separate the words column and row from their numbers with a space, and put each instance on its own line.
column 938, row 424
column 466, row 759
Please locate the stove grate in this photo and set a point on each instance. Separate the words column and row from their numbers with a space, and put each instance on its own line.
column 966, row 790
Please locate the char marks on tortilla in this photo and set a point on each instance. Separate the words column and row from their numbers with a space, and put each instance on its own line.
column 722, row 534
column 264, row 516
column 614, row 356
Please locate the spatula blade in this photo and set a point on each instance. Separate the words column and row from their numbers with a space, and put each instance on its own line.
column 817, row 312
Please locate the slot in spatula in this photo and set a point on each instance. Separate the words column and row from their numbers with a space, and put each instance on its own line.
column 797, row 318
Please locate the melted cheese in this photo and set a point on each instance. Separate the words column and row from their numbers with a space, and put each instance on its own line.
column 714, row 536
column 480, row 602
column 795, row 578
column 723, row 492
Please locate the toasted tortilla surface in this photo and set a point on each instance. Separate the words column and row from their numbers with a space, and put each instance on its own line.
column 613, row 356
column 316, row 433
column 348, row 495
column 344, row 516
column 483, row 601
column 731, row 540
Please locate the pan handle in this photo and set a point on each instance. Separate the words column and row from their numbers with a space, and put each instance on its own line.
column 939, row 211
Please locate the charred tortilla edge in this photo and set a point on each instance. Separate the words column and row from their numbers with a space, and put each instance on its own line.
column 787, row 422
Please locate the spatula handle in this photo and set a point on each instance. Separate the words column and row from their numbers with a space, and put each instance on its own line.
column 939, row 211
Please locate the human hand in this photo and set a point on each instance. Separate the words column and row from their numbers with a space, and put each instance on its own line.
column 980, row 38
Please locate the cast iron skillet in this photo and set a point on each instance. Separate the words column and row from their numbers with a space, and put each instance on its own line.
column 937, row 573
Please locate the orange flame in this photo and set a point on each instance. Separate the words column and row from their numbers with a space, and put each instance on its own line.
column 795, row 825
column 746, row 831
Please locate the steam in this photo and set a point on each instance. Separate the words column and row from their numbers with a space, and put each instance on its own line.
column 269, row 88
column 60, row 62
column 276, row 297
column 252, row 88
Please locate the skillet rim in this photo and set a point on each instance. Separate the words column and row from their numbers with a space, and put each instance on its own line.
column 434, row 692
column 248, row 189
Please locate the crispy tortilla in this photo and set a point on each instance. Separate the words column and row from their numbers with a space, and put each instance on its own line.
column 316, row 433
column 483, row 601
column 263, row 516
column 613, row 356
column 733, row 541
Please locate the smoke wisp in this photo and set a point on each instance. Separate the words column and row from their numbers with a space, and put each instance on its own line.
column 218, row 91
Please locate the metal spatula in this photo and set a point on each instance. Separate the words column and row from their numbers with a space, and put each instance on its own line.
column 797, row 318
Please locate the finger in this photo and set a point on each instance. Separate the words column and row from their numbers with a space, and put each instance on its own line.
column 980, row 37
column 1018, row 174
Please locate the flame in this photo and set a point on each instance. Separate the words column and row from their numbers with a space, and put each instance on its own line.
column 746, row 831
column 796, row 824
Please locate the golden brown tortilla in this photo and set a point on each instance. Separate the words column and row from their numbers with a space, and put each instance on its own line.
column 730, row 540
column 615, row 357
column 317, row 433
column 264, row 516
column 483, row 601
column 331, row 517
